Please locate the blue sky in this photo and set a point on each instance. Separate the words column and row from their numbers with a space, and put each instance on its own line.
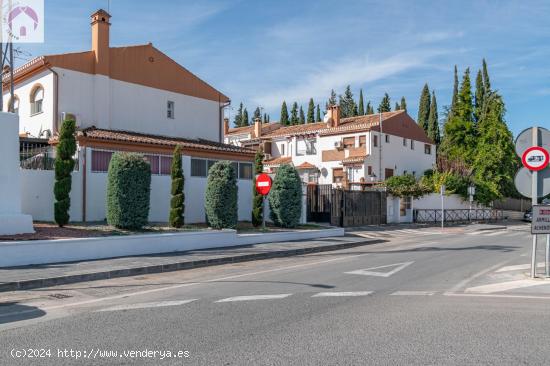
column 261, row 52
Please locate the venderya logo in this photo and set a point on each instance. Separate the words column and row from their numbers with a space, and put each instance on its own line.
column 23, row 21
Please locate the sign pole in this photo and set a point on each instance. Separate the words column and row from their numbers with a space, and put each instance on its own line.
column 442, row 206
column 534, row 202
column 547, row 255
column 263, row 212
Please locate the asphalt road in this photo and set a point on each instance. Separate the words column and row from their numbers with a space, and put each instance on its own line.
column 421, row 297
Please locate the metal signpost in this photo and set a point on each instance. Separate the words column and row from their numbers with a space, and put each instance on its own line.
column 263, row 186
column 533, row 180
column 443, row 206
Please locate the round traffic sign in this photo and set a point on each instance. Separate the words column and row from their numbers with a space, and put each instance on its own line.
column 523, row 182
column 263, row 184
column 535, row 158
column 525, row 140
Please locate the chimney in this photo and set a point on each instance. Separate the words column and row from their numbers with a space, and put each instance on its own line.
column 257, row 128
column 333, row 116
column 100, row 41
column 225, row 126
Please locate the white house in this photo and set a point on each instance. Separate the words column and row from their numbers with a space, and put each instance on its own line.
column 364, row 149
column 131, row 98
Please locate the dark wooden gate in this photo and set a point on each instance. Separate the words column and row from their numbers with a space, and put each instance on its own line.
column 358, row 208
column 319, row 202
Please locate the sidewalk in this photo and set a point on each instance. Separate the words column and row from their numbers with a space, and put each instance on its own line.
column 38, row 276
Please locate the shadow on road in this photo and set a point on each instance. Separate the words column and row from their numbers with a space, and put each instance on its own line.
column 11, row 312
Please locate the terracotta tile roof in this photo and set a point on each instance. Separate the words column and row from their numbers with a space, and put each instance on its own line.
column 306, row 165
column 297, row 130
column 266, row 128
column 278, row 161
column 354, row 159
column 139, row 138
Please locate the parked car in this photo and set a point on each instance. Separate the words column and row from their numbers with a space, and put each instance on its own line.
column 528, row 215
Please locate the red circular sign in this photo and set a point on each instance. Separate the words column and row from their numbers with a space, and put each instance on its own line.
column 535, row 158
column 263, row 184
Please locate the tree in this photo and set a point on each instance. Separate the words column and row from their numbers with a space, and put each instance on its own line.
column 128, row 191
column 347, row 104
column 424, row 108
column 257, row 199
column 486, row 81
column 284, row 115
column 244, row 121
column 479, row 96
column 294, row 119
column 397, row 106
column 302, row 118
column 257, row 114
column 370, row 109
column 220, row 198
column 332, row 100
column 239, row 116
column 433, row 122
column 406, row 186
column 385, row 104
column 361, row 110
column 64, row 165
column 454, row 99
column 318, row 117
column 311, row 111
column 403, row 105
column 265, row 119
column 285, row 198
column 177, row 203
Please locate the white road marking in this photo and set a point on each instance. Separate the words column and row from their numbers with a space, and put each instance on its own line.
column 494, row 233
column 499, row 296
column 505, row 286
column 413, row 293
column 254, row 297
column 342, row 294
column 371, row 272
column 146, row 305
column 518, row 267
column 463, row 283
column 475, row 233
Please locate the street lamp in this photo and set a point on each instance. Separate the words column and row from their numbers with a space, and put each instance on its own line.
column 471, row 193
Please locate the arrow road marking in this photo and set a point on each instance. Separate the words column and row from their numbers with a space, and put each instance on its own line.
column 371, row 272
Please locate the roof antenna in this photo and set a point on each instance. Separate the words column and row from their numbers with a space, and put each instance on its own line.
column 109, row 6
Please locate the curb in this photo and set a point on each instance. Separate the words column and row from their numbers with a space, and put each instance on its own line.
column 171, row 267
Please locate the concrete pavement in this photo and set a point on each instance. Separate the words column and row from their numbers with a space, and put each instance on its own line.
column 405, row 301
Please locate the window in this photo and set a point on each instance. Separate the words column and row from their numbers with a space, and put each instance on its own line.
column 375, row 141
column 404, row 205
column 388, row 173
column 283, row 149
column 37, row 97
column 412, row 144
column 349, row 142
column 369, row 170
column 306, row 147
column 101, row 160
column 165, row 165
column 235, row 166
column 362, row 141
column 387, row 139
column 170, row 109
column 404, row 142
column 245, row 170
column 15, row 104
column 337, row 175
column 198, row 168
column 428, row 149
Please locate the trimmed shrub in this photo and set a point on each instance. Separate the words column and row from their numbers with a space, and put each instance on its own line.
column 285, row 198
column 128, row 191
column 64, row 165
column 220, row 199
column 406, row 186
column 257, row 199
column 177, row 203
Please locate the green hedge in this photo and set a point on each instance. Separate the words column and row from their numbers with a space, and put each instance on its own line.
column 128, row 191
column 220, row 201
column 257, row 199
column 285, row 198
column 177, row 203
column 64, row 165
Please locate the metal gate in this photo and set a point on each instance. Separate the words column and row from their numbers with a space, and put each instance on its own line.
column 319, row 202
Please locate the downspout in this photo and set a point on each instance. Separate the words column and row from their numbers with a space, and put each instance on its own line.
column 56, row 101
column 84, row 168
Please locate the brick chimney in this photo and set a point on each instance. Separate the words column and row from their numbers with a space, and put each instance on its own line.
column 225, row 126
column 257, row 128
column 333, row 116
column 100, row 41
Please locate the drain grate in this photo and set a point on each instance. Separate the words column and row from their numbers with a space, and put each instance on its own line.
column 60, row 296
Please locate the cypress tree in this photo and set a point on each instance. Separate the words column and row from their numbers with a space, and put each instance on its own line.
column 302, row 119
column 285, row 198
column 465, row 107
column 361, row 110
column 64, row 165
column 424, row 108
column 370, row 109
column 486, row 81
column 454, row 99
column 220, row 198
column 294, row 120
column 479, row 95
column 347, row 104
column 257, row 114
column 264, row 120
column 177, row 203
column 318, row 118
column 257, row 199
column 385, row 104
column 403, row 105
column 397, row 107
column 284, row 115
column 239, row 116
column 433, row 122
column 311, row 111
column 245, row 120
column 332, row 100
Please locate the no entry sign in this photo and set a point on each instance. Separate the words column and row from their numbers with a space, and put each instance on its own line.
column 535, row 158
column 263, row 184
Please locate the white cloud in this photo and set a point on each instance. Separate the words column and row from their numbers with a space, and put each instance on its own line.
column 347, row 71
